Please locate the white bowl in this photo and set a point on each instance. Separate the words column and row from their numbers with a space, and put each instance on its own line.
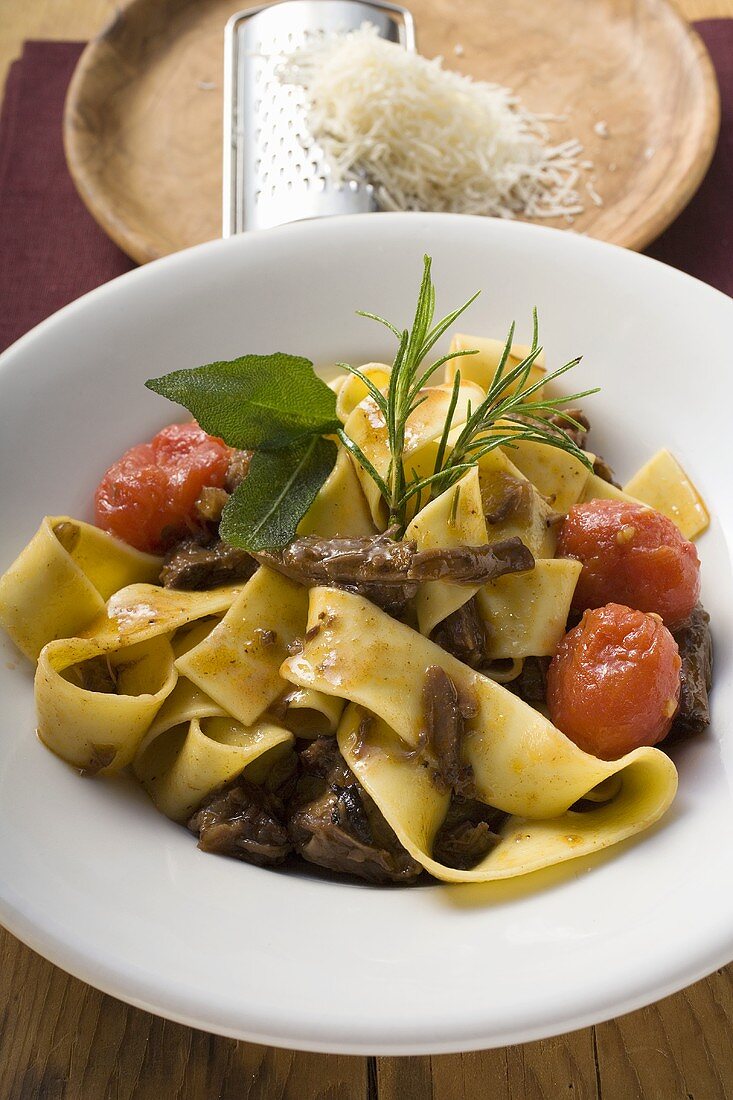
column 95, row 879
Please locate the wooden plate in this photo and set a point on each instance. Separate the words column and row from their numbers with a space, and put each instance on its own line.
column 143, row 118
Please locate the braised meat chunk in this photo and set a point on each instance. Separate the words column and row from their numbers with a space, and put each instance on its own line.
column 602, row 470
column 469, row 832
column 211, row 504
column 472, row 564
column 376, row 567
column 696, row 675
column 349, row 560
column 237, row 470
column 212, row 501
column 244, row 821
column 96, row 674
column 335, row 824
column 463, row 633
column 504, row 496
column 388, row 572
column 444, row 714
column 531, row 683
column 579, row 435
column 205, row 562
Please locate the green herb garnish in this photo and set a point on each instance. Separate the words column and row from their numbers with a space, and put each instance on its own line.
column 504, row 417
column 255, row 402
column 404, row 396
column 500, row 420
column 279, row 407
column 265, row 509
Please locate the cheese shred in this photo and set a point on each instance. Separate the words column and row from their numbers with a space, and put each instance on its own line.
column 427, row 138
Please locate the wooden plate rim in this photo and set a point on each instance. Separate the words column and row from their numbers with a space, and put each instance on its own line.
column 138, row 247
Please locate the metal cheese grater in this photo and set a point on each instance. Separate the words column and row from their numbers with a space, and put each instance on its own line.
column 274, row 171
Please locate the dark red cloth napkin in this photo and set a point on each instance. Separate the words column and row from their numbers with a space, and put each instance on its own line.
column 52, row 251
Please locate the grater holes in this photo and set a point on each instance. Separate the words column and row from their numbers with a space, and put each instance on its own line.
column 284, row 169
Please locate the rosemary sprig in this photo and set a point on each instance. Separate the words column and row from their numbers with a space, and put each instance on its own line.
column 513, row 409
column 404, row 394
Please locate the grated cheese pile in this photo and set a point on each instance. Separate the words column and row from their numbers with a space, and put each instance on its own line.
column 427, row 138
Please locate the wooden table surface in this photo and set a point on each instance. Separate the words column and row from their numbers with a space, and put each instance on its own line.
column 61, row 1039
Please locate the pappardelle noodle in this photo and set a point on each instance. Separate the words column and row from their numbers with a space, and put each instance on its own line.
column 405, row 622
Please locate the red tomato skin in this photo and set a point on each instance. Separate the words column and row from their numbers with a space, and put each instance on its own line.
column 614, row 682
column 633, row 556
column 147, row 497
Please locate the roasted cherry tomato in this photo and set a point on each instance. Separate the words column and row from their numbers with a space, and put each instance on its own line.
column 630, row 555
column 147, row 497
column 614, row 682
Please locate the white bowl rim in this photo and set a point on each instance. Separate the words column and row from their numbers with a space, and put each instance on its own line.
column 102, row 973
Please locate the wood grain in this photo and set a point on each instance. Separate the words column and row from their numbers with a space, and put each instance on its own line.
column 63, row 1040
column 143, row 120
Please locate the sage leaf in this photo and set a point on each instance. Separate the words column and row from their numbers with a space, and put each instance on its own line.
column 256, row 401
column 264, row 511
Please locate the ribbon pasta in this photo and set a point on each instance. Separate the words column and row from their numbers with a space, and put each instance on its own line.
column 455, row 518
column 557, row 475
column 526, row 613
column 61, row 579
column 353, row 391
column 521, row 763
column 311, row 713
column 143, row 611
column 513, row 506
column 481, row 367
column 238, row 663
column 340, row 508
column 98, row 727
column 424, row 428
column 409, row 800
column 99, row 730
column 194, row 748
column 195, row 688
